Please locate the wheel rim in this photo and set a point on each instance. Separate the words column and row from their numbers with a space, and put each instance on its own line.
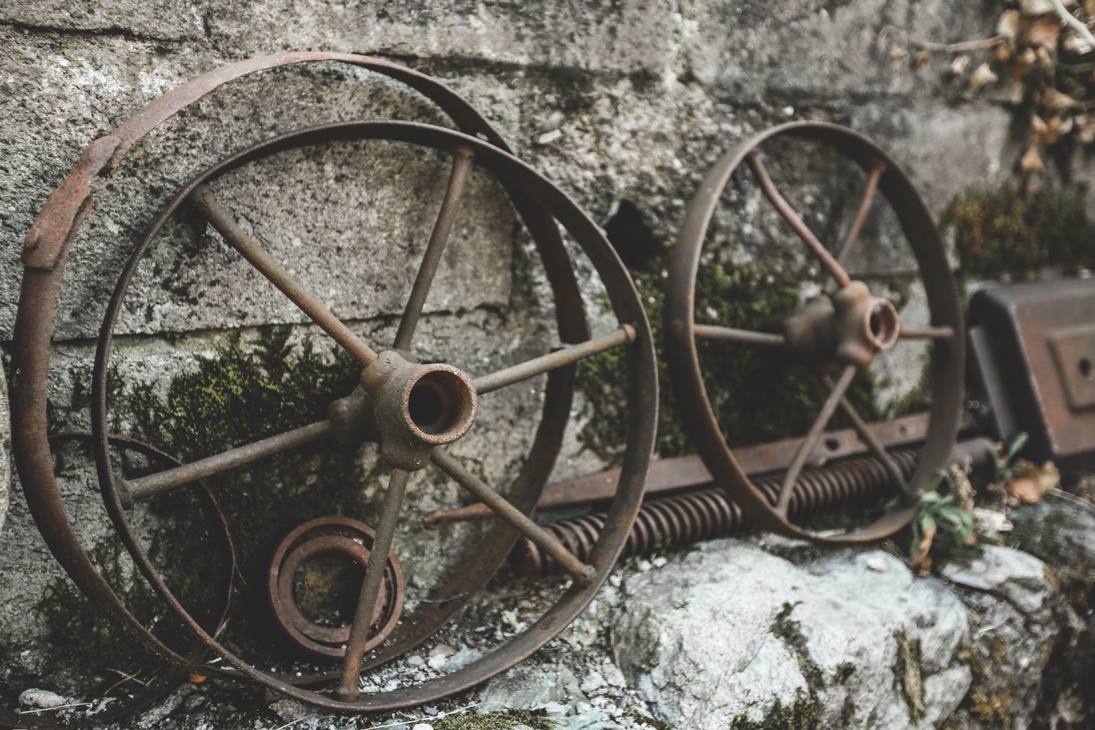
column 46, row 256
column 947, row 361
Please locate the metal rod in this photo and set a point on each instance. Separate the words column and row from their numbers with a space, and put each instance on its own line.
column 867, row 435
column 861, row 215
column 864, row 208
column 450, row 206
column 583, row 574
column 563, row 356
column 926, row 333
column 713, row 331
column 144, row 487
column 800, row 228
column 348, row 689
column 268, row 266
column 814, row 436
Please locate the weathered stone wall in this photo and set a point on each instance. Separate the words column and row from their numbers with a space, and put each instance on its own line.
column 623, row 105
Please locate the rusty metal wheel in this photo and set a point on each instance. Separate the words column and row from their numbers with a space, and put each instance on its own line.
column 410, row 410
column 838, row 329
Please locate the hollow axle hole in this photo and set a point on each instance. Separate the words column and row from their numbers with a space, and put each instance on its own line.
column 427, row 408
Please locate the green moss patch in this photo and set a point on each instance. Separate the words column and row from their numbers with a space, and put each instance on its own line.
column 1003, row 231
column 240, row 394
column 535, row 719
column 799, row 716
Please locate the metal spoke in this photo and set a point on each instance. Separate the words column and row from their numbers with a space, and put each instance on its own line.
column 877, row 169
column 268, row 266
column 583, row 574
column 144, row 487
column 869, row 436
column 715, row 332
column 563, row 356
column 461, row 167
column 348, row 689
column 926, row 333
column 812, row 438
column 801, row 230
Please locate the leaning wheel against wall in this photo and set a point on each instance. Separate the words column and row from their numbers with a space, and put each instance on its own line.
column 414, row 412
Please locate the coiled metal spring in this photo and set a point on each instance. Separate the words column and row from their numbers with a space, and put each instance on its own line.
column 707, row 514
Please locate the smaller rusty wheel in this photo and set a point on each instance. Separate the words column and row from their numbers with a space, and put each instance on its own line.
column 839, row 328
column 332, row 537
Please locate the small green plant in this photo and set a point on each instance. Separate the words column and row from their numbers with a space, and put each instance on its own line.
column 1005, row 466
column 940, row 511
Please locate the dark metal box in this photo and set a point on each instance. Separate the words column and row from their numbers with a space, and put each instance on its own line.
column 1033, row 363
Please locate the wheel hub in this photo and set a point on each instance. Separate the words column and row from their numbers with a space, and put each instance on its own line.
column 849, row 327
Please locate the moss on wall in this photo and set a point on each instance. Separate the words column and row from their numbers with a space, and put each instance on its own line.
column 1003, row 231
column 757, row 395
column 239, row 395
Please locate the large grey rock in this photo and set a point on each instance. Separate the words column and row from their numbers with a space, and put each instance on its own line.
column 1010, row 593
column 849, row 638
column 1062, row 533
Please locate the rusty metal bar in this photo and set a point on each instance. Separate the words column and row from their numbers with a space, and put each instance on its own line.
column 581, row 572
column 717, row 332
column 348, row 689
column 876, row 445
column 144, row 487
column 814, row 436
column 268, row 266
column 461, row 167
column 801, row 230
column 563, row 356
column 926, row 333
column 877, row 169
column 682, row 472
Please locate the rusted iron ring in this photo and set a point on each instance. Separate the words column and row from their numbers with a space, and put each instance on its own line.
column 330, row 536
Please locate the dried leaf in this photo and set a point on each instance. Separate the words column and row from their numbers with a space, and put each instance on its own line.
column 1024, row 62
column 922, row 562
column 1003, row 52
column 982, row 76
column 1008, row 25
column 1045, row 60
column 1086, row 125
column 921, row 58
column 897, row 54
column 1074, row 43
column 1044, row 132
column 196, row 678
column 1038, row 127
column 1053, row 99
column 958, row 65
column 1043, row 31
column 1032, row 160
column 1034, row 481
column 1058, row 127
column 1036, row 7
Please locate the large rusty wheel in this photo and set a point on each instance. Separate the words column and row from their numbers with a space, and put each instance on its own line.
column 837, row 332
column 411, row 410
